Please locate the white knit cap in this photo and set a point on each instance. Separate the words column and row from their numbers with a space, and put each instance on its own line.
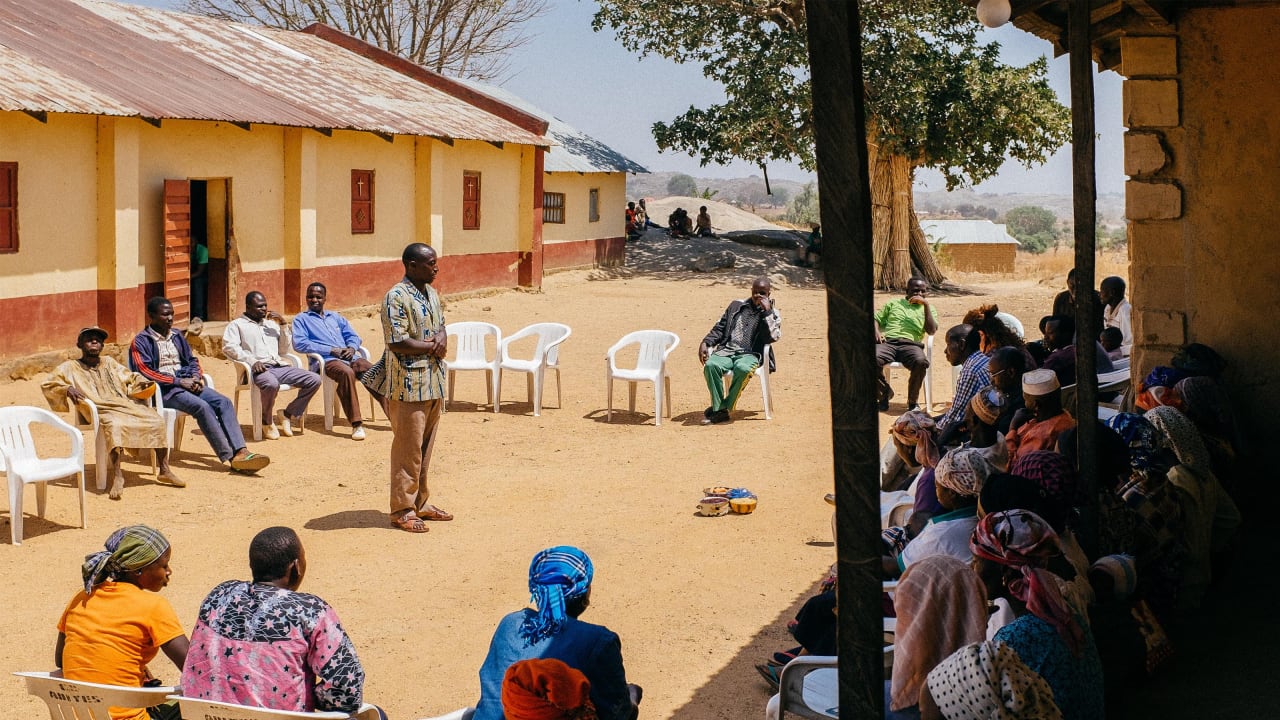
column 1040, row 382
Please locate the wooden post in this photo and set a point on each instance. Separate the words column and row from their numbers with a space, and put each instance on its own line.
column 835, row 63
column 1085, row 198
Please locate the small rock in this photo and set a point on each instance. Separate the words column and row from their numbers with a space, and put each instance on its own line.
column 712, row 261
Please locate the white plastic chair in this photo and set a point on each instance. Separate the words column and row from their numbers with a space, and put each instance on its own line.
column 651, row 366
column 808, row 687
column 546, row 356
column 329, row 388
column 469, row 341
column 244, row 383
column 928, row 373
column 78, row 700
column 85, row 417
column 23, row 465
column 178, row 428
column 761, row 373
column 195, row 708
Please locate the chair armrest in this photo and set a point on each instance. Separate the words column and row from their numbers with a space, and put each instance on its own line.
column 77, row 440
column 765, row 357
column 364, row 353
column 295, row 361
column 89, row 405
column 208, row 381
column 318, row 358
column 611, row 352
column 671, row 348
column 791, row 679
column 245, row 370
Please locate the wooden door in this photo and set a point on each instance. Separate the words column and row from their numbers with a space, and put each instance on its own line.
column 177, row 248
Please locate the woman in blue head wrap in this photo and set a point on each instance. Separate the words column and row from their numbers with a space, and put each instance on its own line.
column 560, row 588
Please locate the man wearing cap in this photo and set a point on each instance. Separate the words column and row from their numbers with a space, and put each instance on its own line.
column 162, row 355
column 124, row 416
column 900, row 329
column 1038, row 425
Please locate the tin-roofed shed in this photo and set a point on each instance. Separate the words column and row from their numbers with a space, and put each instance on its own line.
column 973, row 245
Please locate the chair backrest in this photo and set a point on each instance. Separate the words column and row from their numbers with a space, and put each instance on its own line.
column 199, row 709
column 15, row 430
column 655, row 346
column 76, row 700
column 468, row 339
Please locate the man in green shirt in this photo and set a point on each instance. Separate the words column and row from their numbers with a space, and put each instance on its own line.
column 900, row 329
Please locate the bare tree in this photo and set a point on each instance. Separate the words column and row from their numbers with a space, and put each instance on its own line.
column 466, row 38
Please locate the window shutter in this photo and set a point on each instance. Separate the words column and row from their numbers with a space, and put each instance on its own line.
column 361, row 202
column 471, row 201
column 8, row 207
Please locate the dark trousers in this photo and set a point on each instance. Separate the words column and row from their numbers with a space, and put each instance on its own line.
column 216, row 416
column 911, row 355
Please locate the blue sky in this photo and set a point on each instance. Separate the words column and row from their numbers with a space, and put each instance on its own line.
column 589, row 81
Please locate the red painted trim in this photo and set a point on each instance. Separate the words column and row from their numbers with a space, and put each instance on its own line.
column 521, row 119
column 604, row 252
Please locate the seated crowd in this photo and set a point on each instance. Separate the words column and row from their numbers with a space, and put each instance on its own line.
column 1003, row 607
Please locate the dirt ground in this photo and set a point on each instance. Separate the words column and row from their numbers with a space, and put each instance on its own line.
column 696, row 600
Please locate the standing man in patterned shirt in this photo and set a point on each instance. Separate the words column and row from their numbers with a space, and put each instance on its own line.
column 736, row 344
column 411, row 376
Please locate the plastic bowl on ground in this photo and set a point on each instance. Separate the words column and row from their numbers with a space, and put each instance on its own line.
column 712, row 506
column 743, row 505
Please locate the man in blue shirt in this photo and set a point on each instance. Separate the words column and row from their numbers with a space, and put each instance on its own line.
column 330, row 336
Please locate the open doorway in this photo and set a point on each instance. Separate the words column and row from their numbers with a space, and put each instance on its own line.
column 214, row 261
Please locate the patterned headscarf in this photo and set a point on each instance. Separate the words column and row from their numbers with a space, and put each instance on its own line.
column 988, row 681
column 941, row 606
column 129, row 548
column 1183, row 438
column 988, row 403
column 1199, row 359
column 1206, row 404
column 964, row 470
column 916, row 429
column 1141, row 437
column 1123, row 571
column 546, row 690
column 556, row 575
column 1022, row 540
column 1053, row 473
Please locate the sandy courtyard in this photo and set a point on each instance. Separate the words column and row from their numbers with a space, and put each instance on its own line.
column 696, row 600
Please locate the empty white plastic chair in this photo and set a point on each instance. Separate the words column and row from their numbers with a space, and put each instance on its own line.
column 23, row 465
column 546, row 356
column 179, row 426
column 329, row 388
column 471, row 353
column 77, row 700
column 195, row 708
column 651, row 366
column 928, row 373
column 244, row 383
column 762, row 374
column 85, row 417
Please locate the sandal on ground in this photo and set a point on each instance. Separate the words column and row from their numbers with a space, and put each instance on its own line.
column 782, row 658
column 770, row 674
column 251, row 462
column 170, row 479
column 431, row 512
column 410, row 523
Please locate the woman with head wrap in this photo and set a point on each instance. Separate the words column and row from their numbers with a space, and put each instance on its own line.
column 1210, row 515
column 1011, row 551
column 119, row 622
column 1206, row 404
column 957, row 481
column 546, row 690
column 912, row 446
column 941, row 607
column 560, row 585
column 987, row 681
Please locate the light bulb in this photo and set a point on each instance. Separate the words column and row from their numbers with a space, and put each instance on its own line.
column 993, row 13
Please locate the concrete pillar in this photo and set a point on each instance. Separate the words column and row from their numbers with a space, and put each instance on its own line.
column 121, row 276
column 299, row 213
column 530, row 217
column 428, row 196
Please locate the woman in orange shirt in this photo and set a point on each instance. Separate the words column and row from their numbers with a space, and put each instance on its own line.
column 118, row 623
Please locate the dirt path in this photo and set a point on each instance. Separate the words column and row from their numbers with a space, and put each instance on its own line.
column 696, row 600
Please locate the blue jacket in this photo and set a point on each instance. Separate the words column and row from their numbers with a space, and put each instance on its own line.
column 144, row 357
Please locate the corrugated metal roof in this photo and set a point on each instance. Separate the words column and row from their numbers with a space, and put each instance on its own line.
column 102, row 58
column 967, row 232
column 577, row 151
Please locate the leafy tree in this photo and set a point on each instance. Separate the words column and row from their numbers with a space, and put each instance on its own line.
column 681, row 184
column 936, row 97
column 707, row 193
column 804, row 206
column 470, row 38
column 1027, row 220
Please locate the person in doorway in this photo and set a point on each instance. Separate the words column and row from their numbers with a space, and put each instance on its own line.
column 200, row 279
column 161, row 354
column 736, row 345
column 329, row 335
column 254, row 338
column 119, row 622
column 124, row 416
column 900, row 329
column 411, row 376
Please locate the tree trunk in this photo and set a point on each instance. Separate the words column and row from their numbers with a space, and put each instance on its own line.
column 900, row 248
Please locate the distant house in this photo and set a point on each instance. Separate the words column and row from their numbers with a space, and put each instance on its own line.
column 129, row 133
column 584, row 192
column 973, row 245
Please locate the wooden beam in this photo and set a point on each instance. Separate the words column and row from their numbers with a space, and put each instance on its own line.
column 1027, row 7
column 150, row 121
column 446, row 140
column 1156, row 15
column 40, row 115
column 1085, row 197
column 496, row 143
column 844, row 196
column 385, row 136
column 240, row 124
column 327, row 132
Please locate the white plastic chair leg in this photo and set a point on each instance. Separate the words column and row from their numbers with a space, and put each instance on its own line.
column 657, row 401
column 631, row 395
column 15, row 509
column 495, row 387
column 609, row 379
column 330, row 390
column 42, row 497
column 101, row 459
column 535, row 391
column 559, row 402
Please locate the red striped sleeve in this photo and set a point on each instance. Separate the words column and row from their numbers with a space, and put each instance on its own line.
column 146, row 371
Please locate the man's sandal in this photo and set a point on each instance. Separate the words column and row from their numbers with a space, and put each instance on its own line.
column 410, row 523
column 431, row 512
column 251, row 462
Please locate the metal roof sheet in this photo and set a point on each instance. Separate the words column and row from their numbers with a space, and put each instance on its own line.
column 577, row 151
column 967, row 232
column 103, row 58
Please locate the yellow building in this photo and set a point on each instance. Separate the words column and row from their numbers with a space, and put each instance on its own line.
column 129, row 134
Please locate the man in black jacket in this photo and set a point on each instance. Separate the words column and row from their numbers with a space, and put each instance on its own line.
column 736, row 345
